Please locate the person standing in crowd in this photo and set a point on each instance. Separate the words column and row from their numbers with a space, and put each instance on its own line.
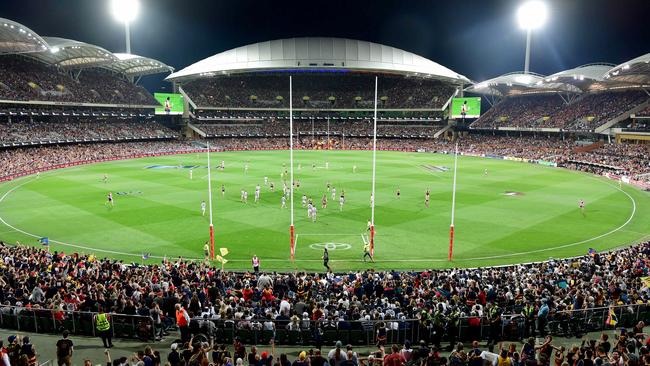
column 529, row 312
column 256, row 264
column 183, row 322
column 64, row 349
column 103, row 326
column 542, row 316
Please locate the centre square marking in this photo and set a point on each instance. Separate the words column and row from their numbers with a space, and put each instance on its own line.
column 330, row 246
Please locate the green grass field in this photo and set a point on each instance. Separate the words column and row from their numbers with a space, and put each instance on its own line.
column 159, row 212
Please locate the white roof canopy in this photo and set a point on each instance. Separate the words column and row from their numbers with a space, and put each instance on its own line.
column 635, row 71
column 16, row 38
column 134, row 65
column 517, row 83
column 317, row 53
column 74, row 54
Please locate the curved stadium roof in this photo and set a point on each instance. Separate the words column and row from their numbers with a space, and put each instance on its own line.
column 517, row 83
column 134, row 65
column 636, row 70
column 317, row 53
column 70, row 53
column 16, row 38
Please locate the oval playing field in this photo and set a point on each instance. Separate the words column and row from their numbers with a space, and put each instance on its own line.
column 507, row 212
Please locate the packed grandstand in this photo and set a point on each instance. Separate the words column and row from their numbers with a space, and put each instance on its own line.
column 68, row 103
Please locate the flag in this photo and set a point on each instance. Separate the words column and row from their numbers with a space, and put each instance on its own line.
column 145, row 256
column 219, row 259
column 592, row 252
column 612, row 319
column 44, row 241
column 224, row 251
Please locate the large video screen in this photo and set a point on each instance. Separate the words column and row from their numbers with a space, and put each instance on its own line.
column 169, row 103
column 471, row 107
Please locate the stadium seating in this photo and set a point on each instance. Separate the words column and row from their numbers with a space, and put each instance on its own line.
column 76, row 129
column 317, row 92
column 549, row 111
column 24, row 79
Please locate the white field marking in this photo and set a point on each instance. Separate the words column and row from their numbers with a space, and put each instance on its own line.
column 364, row 239
column 344, row 260
column 322, row 234
column 295, row 246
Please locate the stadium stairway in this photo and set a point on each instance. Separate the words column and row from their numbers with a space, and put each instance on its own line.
column 197, row 130
column 604, row 128
column 441, row 131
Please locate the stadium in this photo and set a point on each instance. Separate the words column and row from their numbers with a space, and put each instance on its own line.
column 312, row 191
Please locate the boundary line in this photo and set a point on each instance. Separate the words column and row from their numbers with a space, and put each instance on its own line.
column 2, row 220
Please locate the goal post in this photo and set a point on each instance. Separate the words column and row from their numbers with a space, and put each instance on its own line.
column 292, row 241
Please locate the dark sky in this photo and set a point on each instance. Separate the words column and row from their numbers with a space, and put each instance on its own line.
column 477, row 38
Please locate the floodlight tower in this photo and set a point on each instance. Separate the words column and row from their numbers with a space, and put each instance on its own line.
column 125, row 11
column 531, row 15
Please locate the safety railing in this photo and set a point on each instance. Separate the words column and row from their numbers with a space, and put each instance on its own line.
column 512, row 327
column 76, row 322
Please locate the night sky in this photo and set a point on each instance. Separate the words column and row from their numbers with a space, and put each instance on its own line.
column 477, row 38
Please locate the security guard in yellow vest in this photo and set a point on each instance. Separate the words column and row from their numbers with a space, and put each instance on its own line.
column 103, row 327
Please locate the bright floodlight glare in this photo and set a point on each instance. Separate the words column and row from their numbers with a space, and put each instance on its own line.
column 125, row 10
column 532, row 14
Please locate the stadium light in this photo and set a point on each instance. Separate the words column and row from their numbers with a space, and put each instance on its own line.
column 531, row 15
column 125, row 11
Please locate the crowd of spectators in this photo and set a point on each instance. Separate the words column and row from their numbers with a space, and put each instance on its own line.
column 273, row 127
column 80, row 129
column 24, row 79
column 20, row 160
column 318, row 91
column 549, row 111
column 37, row 279
column 520, row 111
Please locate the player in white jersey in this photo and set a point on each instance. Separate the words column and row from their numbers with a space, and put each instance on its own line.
column 327, row 165
column 304, row 200
column 582, row 207
column 266, row 181
column 333, row 193
column 257, row 193
column 105, row 179
column 246, row 168
column 427, row 196
column 109, row 197
column 272, row 186
column 284, row 202
column 485, row 172
column 354, row 169
column 223, row 165
column 310, row 207
column 191, row 174
column 341, row 202
column 241, row 197
column 313, row 213
column 245, row 196
column 202, row 208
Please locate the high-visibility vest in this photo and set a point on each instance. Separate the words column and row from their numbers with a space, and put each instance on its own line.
column 181, row 321
column 102, row 323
